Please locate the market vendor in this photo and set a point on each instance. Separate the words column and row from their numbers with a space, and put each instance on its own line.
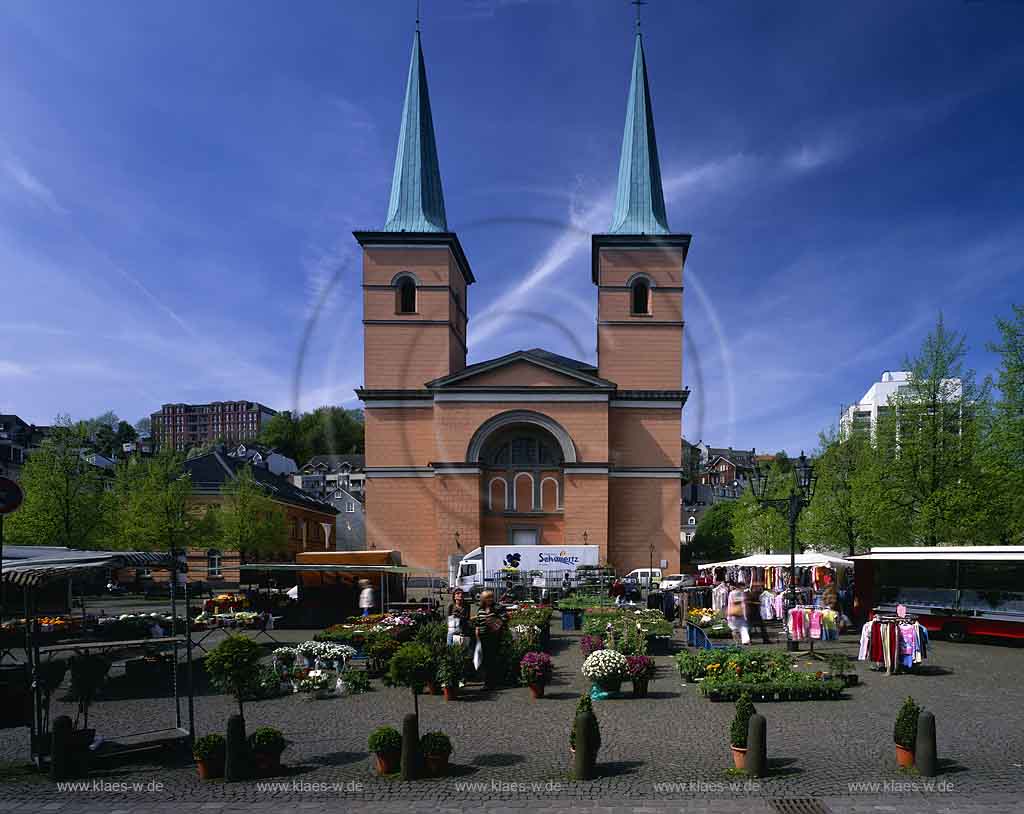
column 490, row 623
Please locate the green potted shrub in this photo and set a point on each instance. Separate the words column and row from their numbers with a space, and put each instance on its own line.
column 233, row 667
column 266, row 745
column 905, row 733
column 386, row 744
column 738, row 730
column 412, row 666
column 208, row 752
column 436, row 747
column 585, row 704
column 450, row 670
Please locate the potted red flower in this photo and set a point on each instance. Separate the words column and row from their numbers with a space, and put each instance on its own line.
column 535, row 669
column 640, row 670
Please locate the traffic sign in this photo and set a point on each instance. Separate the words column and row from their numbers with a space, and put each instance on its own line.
column 10, row 496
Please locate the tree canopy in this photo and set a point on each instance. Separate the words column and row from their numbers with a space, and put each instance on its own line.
column 326, row 430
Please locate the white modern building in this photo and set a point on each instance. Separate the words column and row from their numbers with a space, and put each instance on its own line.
column 876, row 403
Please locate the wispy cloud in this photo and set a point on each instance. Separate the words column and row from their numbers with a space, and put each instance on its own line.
column 29, row 183
column 10, row 370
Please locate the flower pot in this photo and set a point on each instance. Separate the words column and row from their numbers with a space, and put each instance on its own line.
column 267, row 763
column 210, row 768
column 388, row 762
column 610, row 684
column 451, row 693
column 904, row 757
column 437, row 765
column 537, row 690
column 640, row 687
column 739, row 757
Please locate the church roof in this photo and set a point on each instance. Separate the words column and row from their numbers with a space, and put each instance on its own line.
column 583, row 372
column 417, row 201
column 639, row 199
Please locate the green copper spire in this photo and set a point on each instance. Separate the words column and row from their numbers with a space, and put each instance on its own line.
column 639, row 201
column 417, row 202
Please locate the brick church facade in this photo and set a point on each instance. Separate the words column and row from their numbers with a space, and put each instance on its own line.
column 531, row 447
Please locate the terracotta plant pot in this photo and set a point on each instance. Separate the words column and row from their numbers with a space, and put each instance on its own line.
column 904, row 757
column 437, row 765
column 739, row 757
column 209, row 769
column 267, row 763
column 640, row 687
column 451, row 693
column 537, row 690
column 388, row 762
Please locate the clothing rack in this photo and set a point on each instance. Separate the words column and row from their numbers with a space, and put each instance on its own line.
column 896, row 665
column 812, row 608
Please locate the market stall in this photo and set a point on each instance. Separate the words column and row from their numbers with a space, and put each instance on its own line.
column 41, row 573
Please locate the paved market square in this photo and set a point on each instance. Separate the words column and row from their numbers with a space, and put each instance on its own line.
column 671, row 746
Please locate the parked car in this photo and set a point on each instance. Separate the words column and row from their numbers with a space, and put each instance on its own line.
column 673, row 582
column 646, row 577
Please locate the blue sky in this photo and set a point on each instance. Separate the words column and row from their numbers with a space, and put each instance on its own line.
column 179, row 183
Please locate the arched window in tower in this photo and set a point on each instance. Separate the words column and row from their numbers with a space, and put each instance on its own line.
column 640, row 296
column 405, row 294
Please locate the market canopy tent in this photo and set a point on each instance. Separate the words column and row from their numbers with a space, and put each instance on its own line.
column 35, row 566
column 809, row 559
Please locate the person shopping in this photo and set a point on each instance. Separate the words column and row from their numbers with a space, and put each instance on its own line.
column 490, row 622
column 736, row 614
column 458, row 617
column 365, row 597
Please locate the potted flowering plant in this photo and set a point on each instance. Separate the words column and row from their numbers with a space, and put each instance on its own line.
column 436, row 748
column 208, row 752
column 738, row 730
column 266, row 745
column 606, row 669
column 386, row 744
column 640, row 670
column 905, row 733
column 318, row 684
column 308, row 651
column 535, row 669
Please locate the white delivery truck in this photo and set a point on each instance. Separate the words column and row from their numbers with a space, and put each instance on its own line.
column 498, row 561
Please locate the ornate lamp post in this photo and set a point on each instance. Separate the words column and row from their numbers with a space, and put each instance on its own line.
column 800, row 494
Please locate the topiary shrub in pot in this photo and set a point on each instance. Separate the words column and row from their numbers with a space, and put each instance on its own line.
column 266, row 745
column 905, row 733
column 585, row 704
column 738, row 730
column 209, row 752
column 436, row 748
column 386, row 744
column 233, row 667
column 451, row 667
column 412, row 666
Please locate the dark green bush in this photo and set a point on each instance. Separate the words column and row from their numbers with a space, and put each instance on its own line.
column 385, row 739
column 435, row 743
column 738, row 730
column 209, row 747
column 585, row 705
column 905, row 731
column 267, row 740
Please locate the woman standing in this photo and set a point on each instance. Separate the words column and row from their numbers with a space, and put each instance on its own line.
column 458, row 616
column 365, row 597
column 736, row 614
column 490, row 622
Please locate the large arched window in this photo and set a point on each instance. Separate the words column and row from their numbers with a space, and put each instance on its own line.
column 405, row 293
column 523, row 464
column 640, row 296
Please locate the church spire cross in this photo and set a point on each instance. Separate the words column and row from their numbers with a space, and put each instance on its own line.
column 417, row 200
column 639, row 198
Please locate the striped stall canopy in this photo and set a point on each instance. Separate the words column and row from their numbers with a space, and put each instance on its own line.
column 32, row 566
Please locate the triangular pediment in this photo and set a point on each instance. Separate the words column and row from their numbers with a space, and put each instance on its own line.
column 524, row 369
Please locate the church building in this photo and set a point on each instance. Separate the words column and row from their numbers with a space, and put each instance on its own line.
column 531, row 447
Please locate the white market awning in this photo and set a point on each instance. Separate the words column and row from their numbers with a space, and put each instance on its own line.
column 809, row 559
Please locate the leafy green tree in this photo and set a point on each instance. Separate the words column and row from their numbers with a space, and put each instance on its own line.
column 283, row 432
column 832, row 521
column 326, row 430
column 713, row 540
column 930, row 484
column 249, row 521
column 233, row 667
column 1005, row 452
column 66, row 498
column 757, row 529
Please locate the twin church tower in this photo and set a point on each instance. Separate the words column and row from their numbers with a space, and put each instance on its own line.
column 531, row 447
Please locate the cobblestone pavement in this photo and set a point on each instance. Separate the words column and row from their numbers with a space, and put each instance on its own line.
column 671, row 746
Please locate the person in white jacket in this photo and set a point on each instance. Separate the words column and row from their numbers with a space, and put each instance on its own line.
column 365, row 596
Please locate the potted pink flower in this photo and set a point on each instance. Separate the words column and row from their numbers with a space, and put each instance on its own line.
column 535, row 669
column 639, row 670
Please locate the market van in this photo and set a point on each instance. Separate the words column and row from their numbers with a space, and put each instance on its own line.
column 547, row 564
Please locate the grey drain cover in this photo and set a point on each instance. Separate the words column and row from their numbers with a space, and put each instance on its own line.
column 798, row 805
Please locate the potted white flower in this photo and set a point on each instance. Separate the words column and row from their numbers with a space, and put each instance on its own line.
column 606, row 669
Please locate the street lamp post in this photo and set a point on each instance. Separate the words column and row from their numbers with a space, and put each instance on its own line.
column 800, row 494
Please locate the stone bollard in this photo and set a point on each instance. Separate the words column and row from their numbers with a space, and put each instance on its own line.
column 410, row 747
column 62, row 765
column 236, row 751
column 757, row 746
column 585, row 761
column 925, row 755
